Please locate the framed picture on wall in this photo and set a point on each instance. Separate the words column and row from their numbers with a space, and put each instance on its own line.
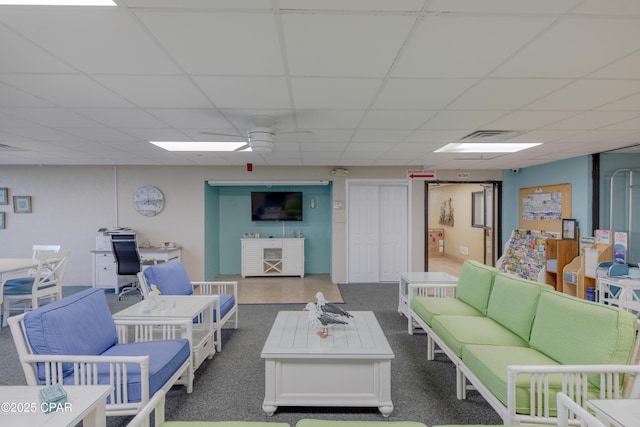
column 569, row 229
column 4, row 196
column 2, row 219
column 22, row 204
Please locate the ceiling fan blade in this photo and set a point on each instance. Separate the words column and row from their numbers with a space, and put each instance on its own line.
column 243, row 148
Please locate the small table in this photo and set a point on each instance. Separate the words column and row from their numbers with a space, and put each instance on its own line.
column 351, row 367
column 21, row 407
column 159, row 253
column 617, row 412
column 424, row 277
column 179, row 310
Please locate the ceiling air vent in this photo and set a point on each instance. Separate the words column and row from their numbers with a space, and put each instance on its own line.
column 491, row 135
column 4, row 147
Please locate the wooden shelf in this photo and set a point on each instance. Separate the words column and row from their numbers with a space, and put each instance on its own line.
column 558, row 253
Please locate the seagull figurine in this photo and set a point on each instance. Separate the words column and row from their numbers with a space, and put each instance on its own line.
column 325, row 306
column 322, row 321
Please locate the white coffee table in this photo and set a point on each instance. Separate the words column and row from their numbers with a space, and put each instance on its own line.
column 21, row 407
column 419, row 277
column 616, row 412
column 351, row 367
column 179, row 310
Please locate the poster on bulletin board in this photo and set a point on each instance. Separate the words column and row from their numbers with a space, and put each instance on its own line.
column 542, row 208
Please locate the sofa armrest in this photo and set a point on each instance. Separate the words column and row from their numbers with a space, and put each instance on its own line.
column 575, row 383
column 216, row 288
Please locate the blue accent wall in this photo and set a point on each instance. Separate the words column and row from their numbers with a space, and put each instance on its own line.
column 228, row 218
column 575, row 171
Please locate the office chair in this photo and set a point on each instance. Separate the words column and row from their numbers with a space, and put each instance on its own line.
column 128, row 262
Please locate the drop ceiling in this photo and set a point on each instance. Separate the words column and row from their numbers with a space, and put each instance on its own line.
column 378, row 82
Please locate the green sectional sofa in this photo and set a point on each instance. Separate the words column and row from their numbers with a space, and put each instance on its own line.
column 520, row 342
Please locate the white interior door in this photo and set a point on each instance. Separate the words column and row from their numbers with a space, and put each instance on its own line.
column 377, row 232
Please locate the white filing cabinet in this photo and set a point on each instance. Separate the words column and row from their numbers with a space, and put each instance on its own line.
column 104, row 270
column 272, row 257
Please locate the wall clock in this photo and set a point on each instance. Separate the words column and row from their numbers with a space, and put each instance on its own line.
column 148, row 200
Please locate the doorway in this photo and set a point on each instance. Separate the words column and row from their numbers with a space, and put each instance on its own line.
column 377, row 231
column 462, row 222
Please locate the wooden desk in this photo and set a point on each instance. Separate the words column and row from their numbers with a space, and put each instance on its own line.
column 21, row 407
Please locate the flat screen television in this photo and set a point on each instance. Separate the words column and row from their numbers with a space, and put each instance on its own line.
column 276, row 206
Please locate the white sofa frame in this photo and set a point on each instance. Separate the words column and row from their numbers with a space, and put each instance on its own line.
column 574, row 377
column 209, row 288
column 85, row 366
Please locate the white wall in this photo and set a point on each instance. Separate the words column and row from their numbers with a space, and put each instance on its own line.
column 70, row 203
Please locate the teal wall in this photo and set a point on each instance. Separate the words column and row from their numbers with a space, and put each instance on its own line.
column 228, row 217
column 575, row 171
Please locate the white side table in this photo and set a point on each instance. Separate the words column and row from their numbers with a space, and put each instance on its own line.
column 21, row 407
column 617, row 412
column 424, row 277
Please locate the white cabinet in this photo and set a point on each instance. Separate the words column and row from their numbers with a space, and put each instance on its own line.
column 272, row 257
column 104, row 270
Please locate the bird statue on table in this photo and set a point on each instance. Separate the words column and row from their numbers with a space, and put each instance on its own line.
column 325, row 306
column 322, row 321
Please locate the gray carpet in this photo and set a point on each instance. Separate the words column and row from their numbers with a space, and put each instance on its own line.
column 231, row 385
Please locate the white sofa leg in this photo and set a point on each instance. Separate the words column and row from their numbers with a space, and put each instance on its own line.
column 461, row 384
column 430, row 348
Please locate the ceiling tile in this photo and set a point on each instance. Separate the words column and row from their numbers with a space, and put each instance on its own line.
column 630, row 103
column 592, row 120
column 586, row 95
column 420, row 94
column 432, row 135
column 142, row 91
column 626, row 68
column 329, row 119
column 395, row 119
column 54, row 117
column 502, row 6
column 122, row 117
column 368, row 51
column 502, row 94
column 379, row 135
column 19, row 55
column 333, row 93
column 609, row 7
column 633, row 124
column 463, row 119
column 574, row 47
column 65, row 90
column 352, row 5
column 218, row 43
column 465, row 46
column 12, row 97
column 246, row 92
column 199, row 4
column 530, row 119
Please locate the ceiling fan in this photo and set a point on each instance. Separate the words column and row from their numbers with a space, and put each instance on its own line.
column 261, row 135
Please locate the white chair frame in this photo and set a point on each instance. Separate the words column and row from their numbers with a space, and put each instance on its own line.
column 46, row 282
column 209, row 288
column 85, row 366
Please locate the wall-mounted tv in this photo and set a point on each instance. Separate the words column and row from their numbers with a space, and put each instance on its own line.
column 276, row 206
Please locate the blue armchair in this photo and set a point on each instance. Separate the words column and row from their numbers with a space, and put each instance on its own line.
column 171, row 278
column 75, row 341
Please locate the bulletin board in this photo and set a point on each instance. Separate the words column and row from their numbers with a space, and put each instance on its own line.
column 542, row 208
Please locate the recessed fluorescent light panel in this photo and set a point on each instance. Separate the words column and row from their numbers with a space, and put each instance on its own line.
column 58, row 2
column 486, row 147
column 198, row 145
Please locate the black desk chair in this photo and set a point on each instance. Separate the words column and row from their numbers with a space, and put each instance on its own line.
column 128, row 262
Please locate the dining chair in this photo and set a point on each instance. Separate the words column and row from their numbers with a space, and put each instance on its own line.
column 45, row 283
column 128, row 262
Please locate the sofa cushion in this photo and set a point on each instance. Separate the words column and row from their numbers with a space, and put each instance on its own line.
column 169, row 277
column 222, row 424
column 458, row 331
column 427, row 307
column 584, row 332
column 165, row 357
column 227, row 301
column 474, row 284
column 489, row 364
column 513, row 303
column 78, row 324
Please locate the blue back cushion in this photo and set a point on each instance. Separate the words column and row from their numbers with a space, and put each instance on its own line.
column 170, row 277
column 78, row 324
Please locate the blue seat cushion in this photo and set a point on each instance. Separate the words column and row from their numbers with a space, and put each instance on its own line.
column 165, row 357
column 24, row 288
column 169, row 277
column 227, row 301
column 18, row 281
column 78, row 324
